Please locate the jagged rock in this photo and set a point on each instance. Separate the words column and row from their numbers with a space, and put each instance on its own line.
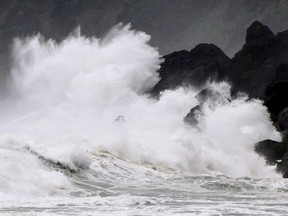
column 257, row 31
column 283, row 36
column 192, row 118
column 207, row 96
column 276, row 93
column 282, row 119
column 204, row 62
column 271, row 150
column 278, row 82
column 250, row 71
column 254, row 66
column 275, row 153
column 260, row 69
column 282, row 166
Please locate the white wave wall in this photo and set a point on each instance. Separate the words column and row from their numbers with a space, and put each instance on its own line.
column 70, row 99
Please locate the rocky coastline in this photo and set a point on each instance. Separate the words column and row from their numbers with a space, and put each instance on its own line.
column 259, row 69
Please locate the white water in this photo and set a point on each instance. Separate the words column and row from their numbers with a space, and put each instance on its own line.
column 71, row 101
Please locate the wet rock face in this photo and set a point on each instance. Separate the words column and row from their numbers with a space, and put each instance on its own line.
column 276, row 96
column 282, row 166
column 254, row 66
column 258, row 31
column 259, row 69
column 250, row 70
column 192, row 118
column 271, row 150
column 283, row 119
column 260, row 45
column 207, row 97
column 204, row 62
column 275, row 153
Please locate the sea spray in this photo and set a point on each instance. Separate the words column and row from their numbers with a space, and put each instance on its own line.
column 68, row 100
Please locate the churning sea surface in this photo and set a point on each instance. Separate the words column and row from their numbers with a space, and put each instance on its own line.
column 79, row 135
column 114, row 186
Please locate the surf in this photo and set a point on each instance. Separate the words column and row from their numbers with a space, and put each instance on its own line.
column 71, row 100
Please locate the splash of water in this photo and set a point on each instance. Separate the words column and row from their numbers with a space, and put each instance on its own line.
column 74, row 98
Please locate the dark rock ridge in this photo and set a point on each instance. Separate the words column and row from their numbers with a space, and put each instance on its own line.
column 282, row 166
column 259, row 69
column 207, row 97
column 205, row 61
column 276, row 96
column 254, row 66
column 264, row 148
column 251, row 70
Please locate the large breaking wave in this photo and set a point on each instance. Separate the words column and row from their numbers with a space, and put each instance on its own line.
column 69, row 100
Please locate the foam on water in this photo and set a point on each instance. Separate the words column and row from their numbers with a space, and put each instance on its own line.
column 72, row 99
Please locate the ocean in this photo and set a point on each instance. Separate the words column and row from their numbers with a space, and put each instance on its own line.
column 80, row 135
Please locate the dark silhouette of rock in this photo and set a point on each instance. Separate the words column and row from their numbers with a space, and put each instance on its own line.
column 192, row 118
column 275, row 153
column 257, row 31
column 251, row 70
column 271, row 150
column 208, row 94
column 282, row 166
column 204, row 62
column 259, row 69
column 254, row 66
column 282, row 119
column 276, row 95
column 209, row 97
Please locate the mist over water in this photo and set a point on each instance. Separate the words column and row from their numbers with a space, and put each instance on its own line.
column 71, row 100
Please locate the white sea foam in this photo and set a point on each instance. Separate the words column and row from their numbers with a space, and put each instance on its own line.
column 83, row 95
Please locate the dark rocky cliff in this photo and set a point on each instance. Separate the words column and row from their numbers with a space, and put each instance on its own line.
column 204, row 62
column 259, row 69
column 254, row 66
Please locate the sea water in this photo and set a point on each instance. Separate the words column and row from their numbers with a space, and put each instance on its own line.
column 80, row 135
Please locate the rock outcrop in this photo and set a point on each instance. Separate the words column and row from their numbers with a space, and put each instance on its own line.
column 282, row 166
column 259, row 69
column 254, row 66
column 276, row 95
column 204, row 62
column 271, row 150
column 207, row 97
column 261, row 60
